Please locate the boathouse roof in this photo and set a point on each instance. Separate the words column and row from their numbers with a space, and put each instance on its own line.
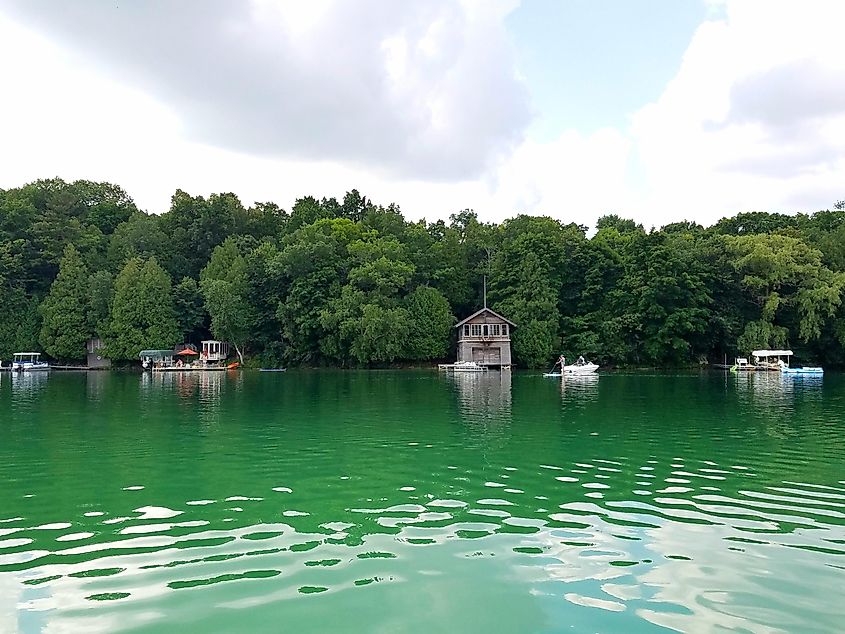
column 155, row 354
column 485, row 310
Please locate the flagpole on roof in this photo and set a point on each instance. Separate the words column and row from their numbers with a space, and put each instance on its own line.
column 485, row 291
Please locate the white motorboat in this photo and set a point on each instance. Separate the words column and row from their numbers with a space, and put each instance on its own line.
column 29, row 362
column 579, row 368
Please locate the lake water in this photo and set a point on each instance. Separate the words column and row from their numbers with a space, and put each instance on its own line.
column 411, row 501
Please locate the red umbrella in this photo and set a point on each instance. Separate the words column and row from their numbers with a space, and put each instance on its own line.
column 186, row 352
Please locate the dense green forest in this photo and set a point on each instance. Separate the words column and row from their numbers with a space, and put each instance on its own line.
column 353, row 283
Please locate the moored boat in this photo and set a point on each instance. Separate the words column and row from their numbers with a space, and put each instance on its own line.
column 808, row 370
column 771, row 359
column 29, row 362
column 463, row 366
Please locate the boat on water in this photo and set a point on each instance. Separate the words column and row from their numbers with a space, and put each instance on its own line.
column 778, row 361
column 807, row 370
column 29, row 362
column 579, row 368
column 463, row 366
column 272, row 369
column 771, row 359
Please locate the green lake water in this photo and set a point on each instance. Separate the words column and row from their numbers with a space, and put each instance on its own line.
column 412, row 501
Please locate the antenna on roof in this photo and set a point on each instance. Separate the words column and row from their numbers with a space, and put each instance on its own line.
column 485, row 291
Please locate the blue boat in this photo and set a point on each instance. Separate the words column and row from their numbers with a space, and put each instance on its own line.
column 814, row 370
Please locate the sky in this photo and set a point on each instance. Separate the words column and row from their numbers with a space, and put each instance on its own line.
column 657, row 110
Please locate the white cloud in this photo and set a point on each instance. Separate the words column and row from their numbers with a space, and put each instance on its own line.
column 754, row 118
column 426, row 89
column 422, row 107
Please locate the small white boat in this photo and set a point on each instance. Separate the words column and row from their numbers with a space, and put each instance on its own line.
column 29, row 362
column 579, row 368
column 463, row 366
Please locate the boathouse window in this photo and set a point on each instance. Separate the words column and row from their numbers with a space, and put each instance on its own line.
column 466, row 330
column 476, row 330
column 504, row 329
column 495, row 328
column 486, row 332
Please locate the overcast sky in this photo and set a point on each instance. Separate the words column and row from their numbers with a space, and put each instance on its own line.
column 660, row 110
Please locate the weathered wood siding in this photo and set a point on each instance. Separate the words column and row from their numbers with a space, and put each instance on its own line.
column 485, row 339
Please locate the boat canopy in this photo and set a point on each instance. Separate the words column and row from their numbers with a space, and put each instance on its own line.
column 155, row 354
column 762, row 354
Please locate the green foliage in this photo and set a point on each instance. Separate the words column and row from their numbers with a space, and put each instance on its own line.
column 787, row 279
column 100, row 293
column 188, row 305
column 431, row 322
column 761, row 335
column 382, row 334
column 529, row 275
column 142, row 311
column 225, row 288
column 20, row 321
column 351, row 282
column 64, row 326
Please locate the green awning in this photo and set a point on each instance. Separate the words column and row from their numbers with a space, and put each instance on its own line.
column 155, row 354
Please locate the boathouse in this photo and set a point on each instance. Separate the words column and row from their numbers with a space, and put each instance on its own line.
column 95, row 354
column 485, row 337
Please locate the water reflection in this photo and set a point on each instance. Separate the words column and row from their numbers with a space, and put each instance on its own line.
column 207, row 386
column 484, row 397
column 579, row 388
column 773, row 397
column 27, row 385
column 96, row 383
column 328, row 493
column 206, row 389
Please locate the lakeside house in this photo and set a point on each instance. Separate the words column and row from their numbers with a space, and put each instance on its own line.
column 485, row 338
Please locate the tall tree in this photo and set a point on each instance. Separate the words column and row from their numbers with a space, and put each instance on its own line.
column 64, row 326
column 431, row 322
column 142, row 311
column 189, row 308
column 225, row 288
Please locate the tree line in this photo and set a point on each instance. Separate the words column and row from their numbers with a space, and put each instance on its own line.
column 352, row 283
